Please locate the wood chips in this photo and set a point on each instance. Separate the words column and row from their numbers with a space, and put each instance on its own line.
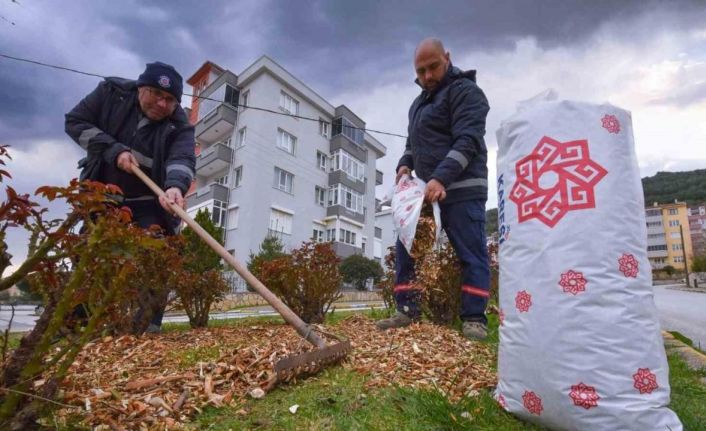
column 162, row 381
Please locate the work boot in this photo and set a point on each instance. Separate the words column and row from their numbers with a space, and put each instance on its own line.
column 398, row 320
column 475, row 331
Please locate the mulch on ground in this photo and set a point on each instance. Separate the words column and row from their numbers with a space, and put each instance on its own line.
column 162, row 381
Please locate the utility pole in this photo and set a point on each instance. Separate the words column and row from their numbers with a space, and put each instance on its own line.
column 683, row 251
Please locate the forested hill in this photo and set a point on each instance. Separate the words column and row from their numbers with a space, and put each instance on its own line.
column 689, row 187
column 664, row 187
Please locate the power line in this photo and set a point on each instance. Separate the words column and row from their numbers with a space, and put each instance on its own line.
column 271, row 111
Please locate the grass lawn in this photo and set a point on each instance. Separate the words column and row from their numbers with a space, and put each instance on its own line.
column 337, row 399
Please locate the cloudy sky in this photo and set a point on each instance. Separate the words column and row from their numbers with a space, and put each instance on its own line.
column 646, row 56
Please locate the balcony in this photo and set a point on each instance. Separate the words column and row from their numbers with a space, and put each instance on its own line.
column 341, row 211
column 657, row 253
column 378, row 178
column 213, row 159
column 214, row 125
column 336, row 177
column 213, row 191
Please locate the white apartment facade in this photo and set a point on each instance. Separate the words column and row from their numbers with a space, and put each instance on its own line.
column 269, row 173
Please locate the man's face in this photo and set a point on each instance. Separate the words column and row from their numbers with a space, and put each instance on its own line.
column 156, row 104
column 431, row 65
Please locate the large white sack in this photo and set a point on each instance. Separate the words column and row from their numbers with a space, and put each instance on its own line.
column 580, row 343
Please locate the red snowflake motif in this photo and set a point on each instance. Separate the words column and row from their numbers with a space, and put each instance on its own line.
column 501, row 401
column 557, row 177
column 628, row 265
column 611, row 123
column 573, row 282
column 501, row 317
column 523, row 301
column 532, row 403
column 584, row 396
column 645, row 381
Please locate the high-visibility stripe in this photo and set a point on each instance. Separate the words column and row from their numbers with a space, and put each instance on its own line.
column 181, row 168
column 459, row 157
column 404, row 288
column 142, row 159
column 476, row 291
column 87, row 135
column 471, row 182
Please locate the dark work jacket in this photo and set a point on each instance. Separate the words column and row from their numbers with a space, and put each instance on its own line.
column 109, row 121
column 446, row 130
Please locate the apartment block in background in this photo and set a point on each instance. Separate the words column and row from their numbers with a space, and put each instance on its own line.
column 697, row 228
column 268, row 173
column 666, row 243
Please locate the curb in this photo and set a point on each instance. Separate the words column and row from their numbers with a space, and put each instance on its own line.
column 693, row 358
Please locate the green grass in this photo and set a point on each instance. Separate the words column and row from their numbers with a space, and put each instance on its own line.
column 688, row 393
column 337, row 400
column 686, row 340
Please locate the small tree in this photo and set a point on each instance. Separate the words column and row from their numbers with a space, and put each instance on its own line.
column 357, row 269
column 200, row 284
column 270, row 249
column 307, row 281
column 698, row 263
column 669, row 270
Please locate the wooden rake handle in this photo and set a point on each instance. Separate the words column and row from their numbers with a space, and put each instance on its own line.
column 289, row 316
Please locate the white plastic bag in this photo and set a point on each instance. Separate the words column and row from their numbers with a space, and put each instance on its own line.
column 580, row 343
column 407, row 201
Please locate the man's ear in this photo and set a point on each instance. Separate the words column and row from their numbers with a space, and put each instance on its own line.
column 448, row 56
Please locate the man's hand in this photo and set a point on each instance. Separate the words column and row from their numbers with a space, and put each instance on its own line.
column 403, row 170
column 172, row 195
column 435, row 191
column 126, row 160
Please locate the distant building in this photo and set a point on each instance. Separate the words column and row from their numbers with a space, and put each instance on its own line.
column 268, row 173
column 697, row 228
column 668, row 237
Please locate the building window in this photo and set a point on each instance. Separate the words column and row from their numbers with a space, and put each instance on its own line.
column 347, row 237
column 320, row 196
column 702, row 210
column 288, row 103
column 330, row 235
column 343, row 126
column 675, row 235
column 321, row 160
column 656, row 235
column 222, row 180
column 280, row 222
column 673, row 211
column 678, row 259
column 343, row 161
column 344, row 196
column 657, row 247
column 283, row 180
column 324, row 128
column 238, row 176
column 245, row 99
column 285, row 141
column 240, row 137
column 232, row 218
column 676, row 247
column 673, row 223
column 654, row 223
column 378, row 232
column 653, row 212
column 318, row 235
column 219, row 213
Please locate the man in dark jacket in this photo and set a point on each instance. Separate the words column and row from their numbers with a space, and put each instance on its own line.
column 446, row 149
column 124, row 123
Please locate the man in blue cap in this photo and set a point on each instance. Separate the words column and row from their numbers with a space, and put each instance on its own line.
column 446, row 149
column 125, row 122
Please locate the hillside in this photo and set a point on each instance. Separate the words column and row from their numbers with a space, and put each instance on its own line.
column 664, row 187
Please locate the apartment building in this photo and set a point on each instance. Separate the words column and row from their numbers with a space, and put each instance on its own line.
column 697, row 228
column 668, row 238
column 269, row 173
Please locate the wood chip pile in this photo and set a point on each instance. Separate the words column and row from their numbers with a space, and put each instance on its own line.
column 162, row 381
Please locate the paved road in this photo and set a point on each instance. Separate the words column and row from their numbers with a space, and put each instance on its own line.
column 682, row 311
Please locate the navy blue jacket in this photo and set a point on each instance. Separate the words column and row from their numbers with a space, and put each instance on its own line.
column 446, row 129
column 109, row 121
